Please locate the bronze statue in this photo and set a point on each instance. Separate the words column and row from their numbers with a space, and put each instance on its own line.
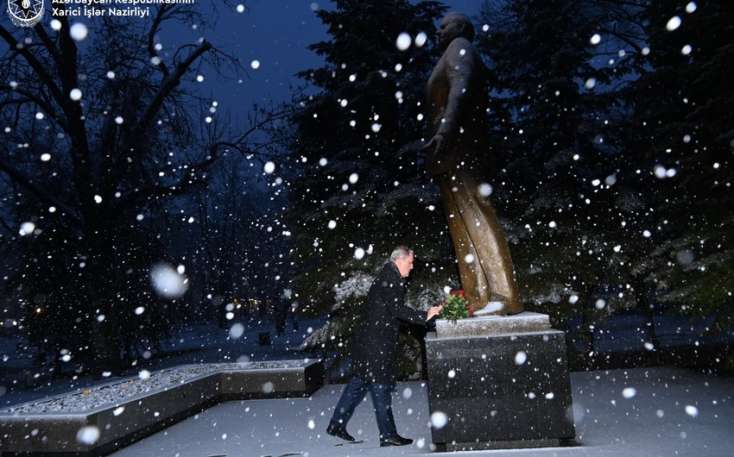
column 457, row 153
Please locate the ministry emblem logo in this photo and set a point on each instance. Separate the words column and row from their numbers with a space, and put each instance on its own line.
column 25, row 13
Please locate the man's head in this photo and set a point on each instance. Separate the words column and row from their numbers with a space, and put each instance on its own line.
column 454, row 25
column 403, row 258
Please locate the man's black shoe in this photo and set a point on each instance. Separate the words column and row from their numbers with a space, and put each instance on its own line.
column 339, row 432
column 396, row 440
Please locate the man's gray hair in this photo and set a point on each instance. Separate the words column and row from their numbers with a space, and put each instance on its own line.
column 399, row 252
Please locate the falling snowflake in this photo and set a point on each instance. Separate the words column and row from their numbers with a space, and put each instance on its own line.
column 673, row 23
column 268, row 387
column 78, row 31
column 439, row 420
column 403, row 41
column 420, row 39
column 89, row 434
column 520, row 358
column 26, row 228
column 236, row 331
column 167, row 282
column 485, row 189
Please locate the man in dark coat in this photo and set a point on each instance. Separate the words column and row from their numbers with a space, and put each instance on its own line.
column 375, row 349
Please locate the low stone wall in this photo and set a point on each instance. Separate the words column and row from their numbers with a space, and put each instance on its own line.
column 101, row 419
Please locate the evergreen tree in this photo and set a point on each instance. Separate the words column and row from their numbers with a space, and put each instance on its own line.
column 617, row 134
column 683, row 122
column 360, row 187
column 554, row 110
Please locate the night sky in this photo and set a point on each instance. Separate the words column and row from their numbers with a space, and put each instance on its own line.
column 276, row 33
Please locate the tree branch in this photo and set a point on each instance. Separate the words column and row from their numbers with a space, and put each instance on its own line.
column 21, row 179
column 35, row 64
column 159, row 17
column 43, row 104
column 168, row 85
column 50, row 46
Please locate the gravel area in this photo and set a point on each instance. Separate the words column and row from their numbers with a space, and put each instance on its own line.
column 118, row 392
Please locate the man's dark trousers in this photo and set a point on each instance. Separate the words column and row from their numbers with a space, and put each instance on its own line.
column 381, row 399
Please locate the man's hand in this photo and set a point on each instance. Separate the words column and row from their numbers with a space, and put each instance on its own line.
column 434, row 311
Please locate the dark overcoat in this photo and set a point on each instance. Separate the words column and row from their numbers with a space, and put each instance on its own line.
column 375, row 339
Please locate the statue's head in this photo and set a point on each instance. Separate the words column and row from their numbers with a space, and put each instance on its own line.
column 454, row 25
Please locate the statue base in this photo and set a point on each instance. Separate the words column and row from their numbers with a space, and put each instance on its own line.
column 501, row 381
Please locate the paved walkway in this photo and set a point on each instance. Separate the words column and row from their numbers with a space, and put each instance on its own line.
column 672, row 413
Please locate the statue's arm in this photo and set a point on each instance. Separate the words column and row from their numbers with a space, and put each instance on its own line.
column 461, row 63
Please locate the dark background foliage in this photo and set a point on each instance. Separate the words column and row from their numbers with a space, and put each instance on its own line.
column 612, row 170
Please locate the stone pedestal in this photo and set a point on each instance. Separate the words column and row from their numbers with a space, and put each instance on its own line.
column 501, row 382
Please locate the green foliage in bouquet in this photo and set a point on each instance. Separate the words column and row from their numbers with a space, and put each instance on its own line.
column 455, row 308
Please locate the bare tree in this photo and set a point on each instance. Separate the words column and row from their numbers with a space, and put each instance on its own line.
column 99, row 136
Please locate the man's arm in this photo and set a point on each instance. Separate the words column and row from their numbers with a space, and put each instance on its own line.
column 410, row 315
column 415, row 317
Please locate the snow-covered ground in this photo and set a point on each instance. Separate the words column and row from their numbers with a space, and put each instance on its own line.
column 656, row 412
